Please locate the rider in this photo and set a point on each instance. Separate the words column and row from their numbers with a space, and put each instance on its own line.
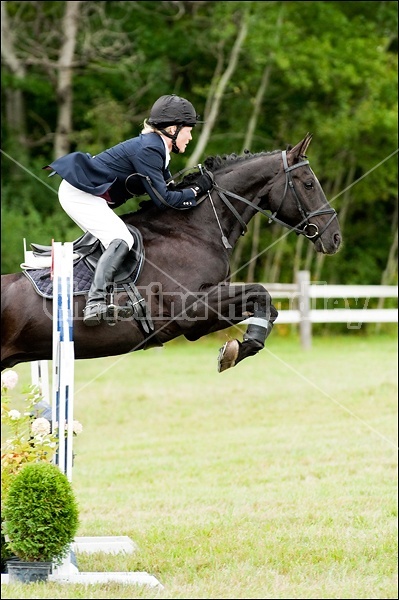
column 94, row 185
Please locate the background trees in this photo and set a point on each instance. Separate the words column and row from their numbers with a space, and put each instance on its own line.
column 83, row 75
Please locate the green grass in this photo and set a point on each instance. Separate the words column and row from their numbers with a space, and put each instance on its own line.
column 275, row 479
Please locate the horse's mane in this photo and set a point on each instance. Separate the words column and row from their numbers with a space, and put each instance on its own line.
column 214, row 164
column 218, row 163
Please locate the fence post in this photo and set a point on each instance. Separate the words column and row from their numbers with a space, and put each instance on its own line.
column 305, row 324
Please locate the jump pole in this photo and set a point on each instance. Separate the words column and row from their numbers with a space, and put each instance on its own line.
column 63, row 354
column 62, row 413
column 39, row 377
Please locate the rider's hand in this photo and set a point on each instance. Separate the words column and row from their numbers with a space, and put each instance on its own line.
column 203, row 184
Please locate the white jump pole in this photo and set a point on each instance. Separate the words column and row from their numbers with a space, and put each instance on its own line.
column 62, row 413
column 63, row 353
column 39, row 376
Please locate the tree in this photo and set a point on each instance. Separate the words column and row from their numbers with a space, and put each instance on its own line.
column 261, row 73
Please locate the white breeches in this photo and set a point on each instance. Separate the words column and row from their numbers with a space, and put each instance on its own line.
column 93, row 214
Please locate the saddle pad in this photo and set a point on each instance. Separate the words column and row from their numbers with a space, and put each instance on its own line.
column 82, row 278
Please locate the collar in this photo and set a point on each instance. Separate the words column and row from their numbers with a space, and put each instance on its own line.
column 167, row 157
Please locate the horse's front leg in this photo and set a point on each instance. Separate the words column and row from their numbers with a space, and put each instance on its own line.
column 234, row 351
column 228, row 305
column 262, row 314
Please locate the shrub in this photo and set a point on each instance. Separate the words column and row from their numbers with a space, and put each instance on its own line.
column 40, row 514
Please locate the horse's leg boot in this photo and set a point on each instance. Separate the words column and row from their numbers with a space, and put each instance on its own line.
column 107, row 266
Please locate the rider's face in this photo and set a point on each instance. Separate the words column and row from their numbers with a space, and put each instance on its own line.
column 183, row 138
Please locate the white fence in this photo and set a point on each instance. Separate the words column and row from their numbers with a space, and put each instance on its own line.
column 302, row 299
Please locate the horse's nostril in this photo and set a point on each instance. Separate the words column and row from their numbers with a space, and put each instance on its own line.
column 337, row 240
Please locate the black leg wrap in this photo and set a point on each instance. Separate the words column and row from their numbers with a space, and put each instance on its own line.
column 259, row 330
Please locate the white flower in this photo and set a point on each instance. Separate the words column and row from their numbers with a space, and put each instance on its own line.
column 14, row 414
column 40, row 426
column 77, row 427
column 9, row 380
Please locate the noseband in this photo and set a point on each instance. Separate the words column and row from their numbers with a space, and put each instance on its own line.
column 303, row 227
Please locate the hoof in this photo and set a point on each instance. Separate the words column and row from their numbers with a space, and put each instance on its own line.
column 228, row 355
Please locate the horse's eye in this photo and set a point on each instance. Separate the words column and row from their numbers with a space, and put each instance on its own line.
column 309, row 185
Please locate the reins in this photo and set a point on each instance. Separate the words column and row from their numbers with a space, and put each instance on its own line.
column 301, row 228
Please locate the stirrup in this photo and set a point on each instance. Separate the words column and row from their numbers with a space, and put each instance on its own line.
column 93, row 313
column 118, row 313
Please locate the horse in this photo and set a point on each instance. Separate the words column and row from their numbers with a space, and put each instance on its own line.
column 186, row 276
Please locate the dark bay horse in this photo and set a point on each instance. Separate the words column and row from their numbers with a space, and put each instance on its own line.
column 185, row 277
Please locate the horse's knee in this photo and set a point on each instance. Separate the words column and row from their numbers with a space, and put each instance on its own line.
column 259, row 300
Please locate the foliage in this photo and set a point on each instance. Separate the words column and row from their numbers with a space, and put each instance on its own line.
column 30, row 225
column 332, row 70
column 40, row 514
column 28, row 437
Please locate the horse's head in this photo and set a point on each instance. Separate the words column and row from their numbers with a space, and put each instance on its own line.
column 296, row 199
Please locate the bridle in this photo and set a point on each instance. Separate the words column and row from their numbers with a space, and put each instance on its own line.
column 303, row 227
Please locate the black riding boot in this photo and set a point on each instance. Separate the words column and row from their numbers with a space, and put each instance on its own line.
column 107, row 266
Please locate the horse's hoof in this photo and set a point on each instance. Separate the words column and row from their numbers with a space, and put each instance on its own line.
column 228, row 355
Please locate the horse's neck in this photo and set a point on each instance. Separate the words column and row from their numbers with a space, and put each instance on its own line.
column 247, row 181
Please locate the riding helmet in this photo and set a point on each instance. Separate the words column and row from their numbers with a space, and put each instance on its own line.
column 173, row 110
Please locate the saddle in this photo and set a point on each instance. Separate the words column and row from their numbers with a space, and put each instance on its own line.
column 87, row 250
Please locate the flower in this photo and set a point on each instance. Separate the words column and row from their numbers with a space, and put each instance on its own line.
column 26, row 439
column 14, row 415
column 40, row 426
column 28, row 436
column 9, row 380
column 77, row 427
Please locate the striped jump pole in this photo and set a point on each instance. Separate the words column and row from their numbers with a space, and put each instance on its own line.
column 63, row 354
column 62, row 417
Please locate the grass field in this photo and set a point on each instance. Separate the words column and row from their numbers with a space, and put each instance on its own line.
column 275, row 479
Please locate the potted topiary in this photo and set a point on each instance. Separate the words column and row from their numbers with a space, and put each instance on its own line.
column 40, row 521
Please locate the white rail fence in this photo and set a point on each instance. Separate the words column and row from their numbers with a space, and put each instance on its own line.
column 302, row 299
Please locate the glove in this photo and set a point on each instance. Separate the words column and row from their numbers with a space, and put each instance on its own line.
column 203, row 184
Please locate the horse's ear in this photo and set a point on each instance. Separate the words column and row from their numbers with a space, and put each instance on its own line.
column 302, row 146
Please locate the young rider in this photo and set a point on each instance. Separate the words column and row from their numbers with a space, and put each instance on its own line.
column 94, row 185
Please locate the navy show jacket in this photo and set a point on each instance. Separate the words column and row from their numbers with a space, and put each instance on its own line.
column 105, row 174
